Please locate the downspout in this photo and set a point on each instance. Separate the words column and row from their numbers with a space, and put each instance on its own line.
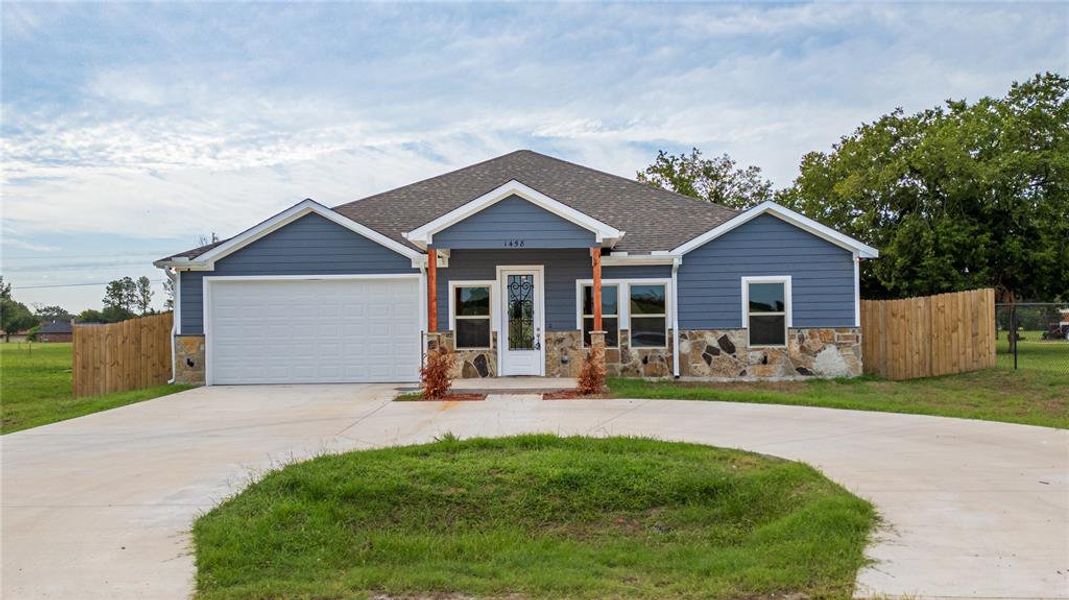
column 675, row 317
column 176, row 281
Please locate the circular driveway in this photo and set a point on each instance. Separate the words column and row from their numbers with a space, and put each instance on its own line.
column 100, row 506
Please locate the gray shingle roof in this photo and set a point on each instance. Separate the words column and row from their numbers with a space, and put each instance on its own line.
column 653, row 219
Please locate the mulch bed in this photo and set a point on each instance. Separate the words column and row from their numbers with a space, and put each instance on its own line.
column 573, row 395
column 455, row 397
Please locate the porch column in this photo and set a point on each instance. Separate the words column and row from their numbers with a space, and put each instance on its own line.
column 595, row 255
column 432, row 289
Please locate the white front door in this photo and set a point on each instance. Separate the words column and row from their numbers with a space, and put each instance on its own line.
column 522, row 321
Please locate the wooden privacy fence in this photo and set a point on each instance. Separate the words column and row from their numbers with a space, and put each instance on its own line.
column 932, row 335
column 122, row 356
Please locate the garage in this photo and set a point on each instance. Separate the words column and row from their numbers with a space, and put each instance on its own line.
column 359, row 329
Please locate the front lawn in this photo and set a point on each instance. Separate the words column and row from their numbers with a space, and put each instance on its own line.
column 35, row 388
column 536, row 517
column 1036, row 394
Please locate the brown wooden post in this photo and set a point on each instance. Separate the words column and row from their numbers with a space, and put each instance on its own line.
column 432, row 289
column 595, row 254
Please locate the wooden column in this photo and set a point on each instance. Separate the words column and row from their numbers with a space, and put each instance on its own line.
column 595, row 255
column 432, row 289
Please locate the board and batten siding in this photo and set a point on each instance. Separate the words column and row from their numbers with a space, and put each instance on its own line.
column 514, row 220
column 822, row 276
column 310, row 245
column 562, row 269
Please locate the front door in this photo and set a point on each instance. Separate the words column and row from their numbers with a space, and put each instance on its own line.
column 522, row 321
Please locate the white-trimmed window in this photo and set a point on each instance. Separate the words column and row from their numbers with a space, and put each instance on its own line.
column 649, row 315
column 766, row 310
column 470, row 312
column 610, row 313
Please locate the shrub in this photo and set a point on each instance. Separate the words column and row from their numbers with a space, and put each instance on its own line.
column 592, row 372
column 435, row 376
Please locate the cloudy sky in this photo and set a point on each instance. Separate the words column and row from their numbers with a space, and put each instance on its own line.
column 130, row 130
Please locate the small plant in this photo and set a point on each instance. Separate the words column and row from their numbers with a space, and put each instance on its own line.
column 435, row 376
column 592, row 372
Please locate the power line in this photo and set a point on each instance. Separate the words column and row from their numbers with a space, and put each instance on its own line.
column 59, row 285
column 153, row 253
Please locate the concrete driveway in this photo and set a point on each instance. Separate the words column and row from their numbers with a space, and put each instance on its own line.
column 100, row 507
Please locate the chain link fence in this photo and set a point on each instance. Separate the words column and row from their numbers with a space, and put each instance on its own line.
column 1041, row 340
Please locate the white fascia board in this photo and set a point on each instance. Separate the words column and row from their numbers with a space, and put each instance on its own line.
column 785, row 214
column 624, row 260
column 207, row 260
column 604, row 233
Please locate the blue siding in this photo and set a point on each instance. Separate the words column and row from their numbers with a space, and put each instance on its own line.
column 514, row 219
column 562, row 269
column 310, row 245
column 822, row 276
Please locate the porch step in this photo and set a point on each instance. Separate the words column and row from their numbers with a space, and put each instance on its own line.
column 514, row 385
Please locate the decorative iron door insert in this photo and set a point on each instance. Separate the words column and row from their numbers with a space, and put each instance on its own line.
column 521, row 312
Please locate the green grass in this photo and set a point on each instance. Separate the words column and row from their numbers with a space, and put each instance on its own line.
column 1036, row 394
column 536, row 517
column 35, row 388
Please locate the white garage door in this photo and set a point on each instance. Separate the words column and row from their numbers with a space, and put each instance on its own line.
column 313, row 331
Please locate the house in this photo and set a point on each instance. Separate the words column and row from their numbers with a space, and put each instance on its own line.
column 523, row 244
column 55, row 331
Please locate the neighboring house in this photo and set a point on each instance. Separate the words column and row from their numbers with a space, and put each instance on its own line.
column 688, row 288
column 55, row 331
column 15, row 336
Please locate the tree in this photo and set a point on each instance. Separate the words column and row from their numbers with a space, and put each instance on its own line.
column 51, row 313
column 115, row 314
column 121, row 293
column 144, row 294
column 90, row 315
column 168, row 288
column 718, row 180
column 5, row 289
column 14, row 316
column 955, row 197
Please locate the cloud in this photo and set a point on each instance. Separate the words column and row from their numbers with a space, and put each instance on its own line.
column 178, row 119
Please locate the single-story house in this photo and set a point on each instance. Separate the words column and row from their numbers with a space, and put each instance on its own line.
column 522, row 245
column 55, row 331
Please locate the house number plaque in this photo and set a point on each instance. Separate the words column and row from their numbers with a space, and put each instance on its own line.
column 515, row 243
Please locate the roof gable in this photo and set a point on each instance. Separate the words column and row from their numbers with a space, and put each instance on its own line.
column 212, row 253
column 785, row 214
column 603, row 233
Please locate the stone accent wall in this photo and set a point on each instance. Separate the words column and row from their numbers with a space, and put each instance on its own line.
column 823, row 352
column 189, row 359
column 470, row 364
column 564, row 353
column 810, row 352
column 619, row 362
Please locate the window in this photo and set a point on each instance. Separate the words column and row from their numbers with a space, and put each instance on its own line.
column 471, row 316
column 649, row 321
column 766, row 308
column 610, row 314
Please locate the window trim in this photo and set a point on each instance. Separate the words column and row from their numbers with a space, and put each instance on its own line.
column 624, row 302
column 492, row 317
column 788, row 316
column 582, row 316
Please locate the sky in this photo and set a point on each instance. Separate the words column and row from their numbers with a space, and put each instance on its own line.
column 131, row 131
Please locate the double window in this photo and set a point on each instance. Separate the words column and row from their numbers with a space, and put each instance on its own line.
column 610, row 314
column 766, row 310
column 470, row 310
column 641, row 304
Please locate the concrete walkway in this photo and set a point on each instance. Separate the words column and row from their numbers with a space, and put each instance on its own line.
column 100, row 507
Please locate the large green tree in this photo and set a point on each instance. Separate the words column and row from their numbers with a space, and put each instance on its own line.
column 718, row 179
column 955, row 197
column 14, row 316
